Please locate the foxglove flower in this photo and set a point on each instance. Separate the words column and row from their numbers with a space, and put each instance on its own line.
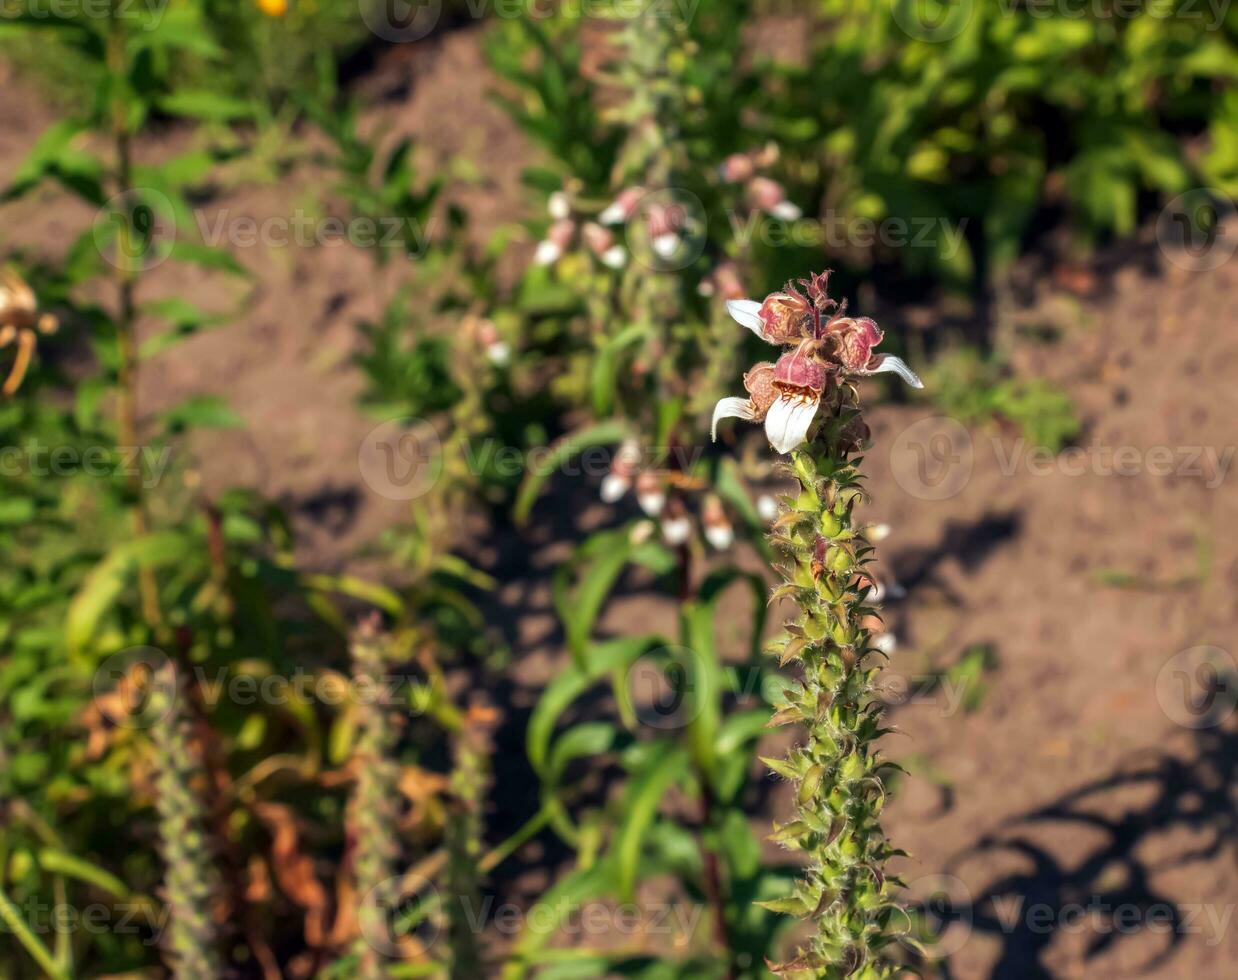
column 737, row 167
column 650, row 493
column 558, row 206
column 770, row 196
column 767, row 508
column 601, row 242
column 666, row 226
column 623, row 207
column 556, row 242
column 829, row 347
column 622, row 471
column 719, row 531
column 676, row 524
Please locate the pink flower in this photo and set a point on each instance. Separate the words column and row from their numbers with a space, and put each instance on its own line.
column 770, row 196
column 828, row 344
column 623, row 207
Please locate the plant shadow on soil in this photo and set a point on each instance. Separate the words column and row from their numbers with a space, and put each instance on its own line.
column 1026, row 909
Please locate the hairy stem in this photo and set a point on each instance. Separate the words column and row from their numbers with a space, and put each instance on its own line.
column 190, row 880
column 373, row 817
column 836, row 773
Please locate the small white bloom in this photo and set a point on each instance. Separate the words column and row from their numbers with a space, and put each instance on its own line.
column 666, row 245
column 886, row 643
column 731, row 408
column 499, row 353
column 721, row 536
column 651, row 502
column 878, row 532
column 786, row 211
column 614, row 257
column 767, row 507
column 558, row 206
column 548, row 252
column 614, row 486
column 613, row 214
column 676, row 530
column 788, row 420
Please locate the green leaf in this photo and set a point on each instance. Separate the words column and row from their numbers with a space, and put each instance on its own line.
column 185, row 321
column 216, row 259
column 665, row 765
column 207, row 106
column 104, row 584
column 205, row 411
column 570, row 684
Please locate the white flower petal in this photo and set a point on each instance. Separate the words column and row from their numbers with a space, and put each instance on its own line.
column 730, row 408
column 896, row 365
column 615, row 257
column 547, row 253
column 614, row 486
column 721, row 536
column 558, row 206
column 651, row 503
column 613, row 214
column 788, row 420
column 767, row 507
column 676, row 530
column 786, row 211
column 887, row 643
column 499, row 353
column 745, row 313
column 666, row 245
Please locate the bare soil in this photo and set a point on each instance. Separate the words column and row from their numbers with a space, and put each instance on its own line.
column 1081, row 816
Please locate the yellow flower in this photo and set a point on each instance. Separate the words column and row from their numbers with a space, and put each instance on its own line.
column 273, row 8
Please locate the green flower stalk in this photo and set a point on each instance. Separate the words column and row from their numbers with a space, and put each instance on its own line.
column 470, row 779
column 810, row 408
column 190, row 878
column 373, row 817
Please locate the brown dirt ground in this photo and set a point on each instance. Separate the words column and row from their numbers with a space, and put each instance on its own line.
column 1070, row 788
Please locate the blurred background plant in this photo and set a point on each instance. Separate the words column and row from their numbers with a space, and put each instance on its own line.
column 683, row 158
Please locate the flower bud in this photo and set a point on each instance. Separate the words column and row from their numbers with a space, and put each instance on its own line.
column 623, row 207
column 718, row 529
column 558, row 206
column 770, row 196
column 650, row 493
column 676, row 524
column 737, row 167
